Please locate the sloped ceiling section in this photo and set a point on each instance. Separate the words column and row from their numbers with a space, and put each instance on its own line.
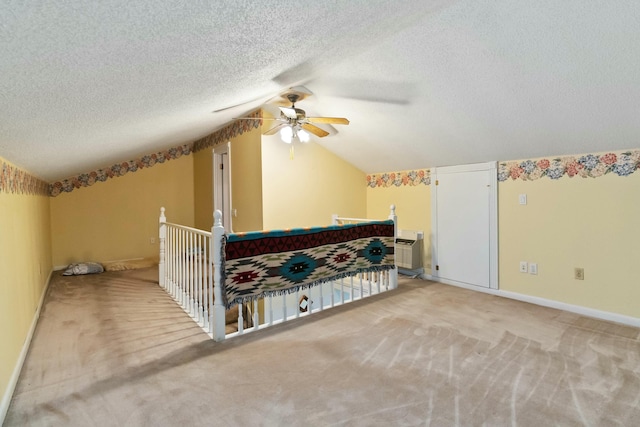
column 424, row 83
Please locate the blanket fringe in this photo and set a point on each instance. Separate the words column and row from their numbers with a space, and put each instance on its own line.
column 302, row 286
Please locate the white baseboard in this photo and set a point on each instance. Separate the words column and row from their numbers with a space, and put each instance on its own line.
column 13, row 381
column 578, row 309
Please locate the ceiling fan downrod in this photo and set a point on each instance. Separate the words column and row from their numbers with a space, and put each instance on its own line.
column 293, row 98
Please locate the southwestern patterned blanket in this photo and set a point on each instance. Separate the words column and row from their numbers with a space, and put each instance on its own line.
column 263, row 263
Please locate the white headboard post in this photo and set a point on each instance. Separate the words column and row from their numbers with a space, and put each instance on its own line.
column 161, row 240
column 217, row 316
column 393, row 274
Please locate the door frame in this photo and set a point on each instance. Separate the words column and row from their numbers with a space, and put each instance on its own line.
column 492, row 172
column 222, row 187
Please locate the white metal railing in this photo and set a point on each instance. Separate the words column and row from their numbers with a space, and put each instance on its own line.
column 190, row 271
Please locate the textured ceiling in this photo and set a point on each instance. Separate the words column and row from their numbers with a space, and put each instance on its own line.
column 87, row 84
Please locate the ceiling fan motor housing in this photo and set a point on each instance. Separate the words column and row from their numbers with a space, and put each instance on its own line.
column 300, row 113
column 293, row 97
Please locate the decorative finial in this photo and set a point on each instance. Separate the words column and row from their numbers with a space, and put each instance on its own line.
column 217, row 217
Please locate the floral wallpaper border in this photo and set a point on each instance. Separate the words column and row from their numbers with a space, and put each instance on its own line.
column 119, row 169
column 16, row 181
column 236, row 128
column 621, row 163
column 397, row 179
column 587, row 166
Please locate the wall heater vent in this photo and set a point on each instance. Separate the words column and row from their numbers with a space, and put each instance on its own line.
column 409, row 249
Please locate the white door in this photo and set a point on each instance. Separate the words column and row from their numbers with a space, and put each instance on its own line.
column 464, row 223
column 222, row 184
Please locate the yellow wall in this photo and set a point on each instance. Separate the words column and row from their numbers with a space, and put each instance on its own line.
column 25, row 264
column 413, row 208
column 246, row 181
column 203, row 188
column 573, row 222
column 115, row 219
column 307, row 190
column 567, row 223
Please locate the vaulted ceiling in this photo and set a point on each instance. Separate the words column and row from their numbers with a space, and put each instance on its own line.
column 86, row 84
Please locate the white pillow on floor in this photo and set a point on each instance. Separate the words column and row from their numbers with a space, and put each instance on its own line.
column 83, row 268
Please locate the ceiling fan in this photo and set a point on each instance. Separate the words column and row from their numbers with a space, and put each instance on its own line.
column 294, row 121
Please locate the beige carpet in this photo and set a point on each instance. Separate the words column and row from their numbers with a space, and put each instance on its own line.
column 114, row 350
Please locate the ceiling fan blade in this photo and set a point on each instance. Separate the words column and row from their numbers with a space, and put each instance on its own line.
column 387, row 92
column 332, row 120
column 275, row 129
column 314, row 130
column 289, row 112
column 301, row 91
column 254, row 118
column 261, row 97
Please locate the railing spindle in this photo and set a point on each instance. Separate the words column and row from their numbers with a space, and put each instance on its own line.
column 190, row 250
column 162, row 235
column 240, row 319
column 284, row 307
column 210, row 277
column 256, row 315
column 332, row 296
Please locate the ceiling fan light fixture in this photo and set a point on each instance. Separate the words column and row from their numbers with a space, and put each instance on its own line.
column 303, row 136
column 290, row 134
column 286, row 134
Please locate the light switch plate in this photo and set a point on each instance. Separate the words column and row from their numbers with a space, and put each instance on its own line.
column 533, row 268
column 522, row 199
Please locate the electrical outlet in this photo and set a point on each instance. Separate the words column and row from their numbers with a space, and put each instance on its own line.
column 524, row 267
column 533, row 268
column 578, row 273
